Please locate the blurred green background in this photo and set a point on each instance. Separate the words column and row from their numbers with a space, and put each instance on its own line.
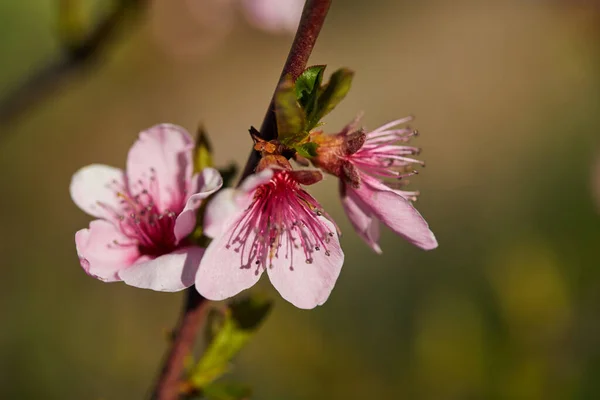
column 507, row 98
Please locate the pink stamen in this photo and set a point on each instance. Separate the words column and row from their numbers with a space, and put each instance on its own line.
column 281, row 212
column 140, row 219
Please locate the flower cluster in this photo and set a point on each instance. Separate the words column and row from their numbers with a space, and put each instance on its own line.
column 269, row 224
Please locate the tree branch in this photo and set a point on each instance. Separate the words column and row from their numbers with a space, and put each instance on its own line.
column 313, row 17
column 75, row 58
column 168, row 384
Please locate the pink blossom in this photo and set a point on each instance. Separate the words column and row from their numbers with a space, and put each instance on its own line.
column 372, row 168
column 270, row 224
column 145, row 213
column 198, row 26
column 274, row 15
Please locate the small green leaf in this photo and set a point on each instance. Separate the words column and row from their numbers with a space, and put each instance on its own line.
column 332, row 94
column 240, row 322
column 226, row 391
column 308, row 86
column 290, row 116
column 248, row 312
column 307, row 150
column 203, row 151
column 213, row 325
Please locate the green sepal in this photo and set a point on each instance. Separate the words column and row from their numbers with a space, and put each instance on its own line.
column 202, row 151
column 229, row 335
column 307, row 150
column 332, row 94
column 291, row 118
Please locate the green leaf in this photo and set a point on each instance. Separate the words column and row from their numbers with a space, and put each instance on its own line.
column 226, row 391
column 308, row 86
column 290, row 116
column 332, row 94
column 307, row 150
column 241, row 319
column 203, row 151
column 249, row 312
column 213, row 325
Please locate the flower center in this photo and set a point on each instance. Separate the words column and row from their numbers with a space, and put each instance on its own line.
column 283, row 221
column 140, row 219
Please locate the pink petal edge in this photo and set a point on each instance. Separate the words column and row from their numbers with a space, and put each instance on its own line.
column 396, row 212
column 223, row 272
column 255, row 180
column 94, row 184
column 205, row 183
column 164, row 150
column 168, row 273
column 363, row 221
column 98, row 254
column 307, row 285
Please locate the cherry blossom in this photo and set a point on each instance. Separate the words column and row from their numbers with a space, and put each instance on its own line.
column 144, row 213
column 373, row 168
column 271, row 224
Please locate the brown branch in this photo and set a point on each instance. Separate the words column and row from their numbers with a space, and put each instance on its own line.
column 168, row 384
column 75, row 58
column 313, row 17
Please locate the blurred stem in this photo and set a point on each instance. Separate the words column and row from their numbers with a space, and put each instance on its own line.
column 81, row 49
column 313, row 17
column 168, row 385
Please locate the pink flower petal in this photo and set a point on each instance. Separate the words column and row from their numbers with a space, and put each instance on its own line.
column 94, row 189
column 274, row 15
column 230, row 201
column 225, row 271
column 165, row 153
column 362, row 219
column 103, row 250
column 353, row 126
column 219, row 209
column 255, row 180
column 205, row 184
column 307, row 285
column 394, row 211
column 168, row 273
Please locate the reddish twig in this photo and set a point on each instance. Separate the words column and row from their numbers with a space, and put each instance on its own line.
column 168, row 385
column 313, row 16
